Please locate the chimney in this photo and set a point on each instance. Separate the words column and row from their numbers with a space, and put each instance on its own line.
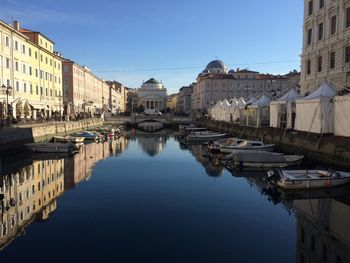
column 16, row 25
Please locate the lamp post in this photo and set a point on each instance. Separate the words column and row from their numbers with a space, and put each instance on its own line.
column 8, row 91
column 60, row 103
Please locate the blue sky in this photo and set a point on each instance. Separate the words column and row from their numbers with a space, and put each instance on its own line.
column 133, row 40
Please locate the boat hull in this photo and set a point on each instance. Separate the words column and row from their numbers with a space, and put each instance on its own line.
column 230, row 149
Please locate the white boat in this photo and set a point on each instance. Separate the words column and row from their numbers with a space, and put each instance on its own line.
column 215, row 145
column 203, row 137
column 307, row 179
column 68, row 139
column 252, row 159
column 247, row 145
column 52, row 147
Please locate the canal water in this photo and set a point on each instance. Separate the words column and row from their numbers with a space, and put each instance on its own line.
column 146, row 198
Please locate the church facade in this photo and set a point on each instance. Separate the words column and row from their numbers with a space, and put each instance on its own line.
column 152, row 95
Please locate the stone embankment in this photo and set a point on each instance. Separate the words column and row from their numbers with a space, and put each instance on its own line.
column 323, row 149
column 14, row 137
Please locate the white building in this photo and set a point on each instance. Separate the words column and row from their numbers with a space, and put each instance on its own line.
column 326, row 44
column 216, row 83
column 152, row 95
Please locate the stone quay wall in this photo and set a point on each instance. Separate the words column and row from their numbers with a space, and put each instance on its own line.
column 12, row 138
column 324, row 149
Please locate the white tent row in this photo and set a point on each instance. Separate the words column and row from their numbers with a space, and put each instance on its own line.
column 341, row 106
column 257, row 113
column 314, row 113
column 226, row 110
column 282, row 110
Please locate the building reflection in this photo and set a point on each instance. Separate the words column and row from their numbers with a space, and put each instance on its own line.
column 210, row 164
column 29, row 186
column 152, row 144
column 323, row 230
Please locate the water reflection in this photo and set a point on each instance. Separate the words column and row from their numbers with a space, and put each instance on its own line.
column 323, row 231
column 210, row 164
column 152, row 145
column 29, row 186
column 322, row 215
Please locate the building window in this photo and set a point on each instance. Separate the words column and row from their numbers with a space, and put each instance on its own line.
column 36, row 55
column 46, row 60
column 7, row 63
column 30, row 71
column 41, row 90
column 308, row 67
column 41, row 58
column 24, row 87
column 332, row 60
column 16, row 65
column 347, row 17
column 31, row 89
column 41, row 74
column 321, row 4
column 24, row 49
column 24, row 69
column 36, row 73
column 16, row 45
column 7, row 41
column 333, row 24
column 320, row 31
column 30, row 52
column 17, row 85
column 311, row 7
column 37, row 90
column 309, row 36
column 347, row 54
column 46, row 92
column 319, row 64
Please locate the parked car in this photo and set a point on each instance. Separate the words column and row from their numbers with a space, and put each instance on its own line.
column 152, row 112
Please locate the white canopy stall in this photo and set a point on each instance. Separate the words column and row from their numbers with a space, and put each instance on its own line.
column 282, row 110
column 314, row 113
column 225, row 111
column 233, row 107
column 215, row 109
column 258, row 112
column 341, row 119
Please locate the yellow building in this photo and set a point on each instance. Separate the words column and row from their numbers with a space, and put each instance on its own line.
column 34, row 71
column 172, row 101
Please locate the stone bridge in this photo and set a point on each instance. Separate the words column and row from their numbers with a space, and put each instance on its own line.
column 166, row 120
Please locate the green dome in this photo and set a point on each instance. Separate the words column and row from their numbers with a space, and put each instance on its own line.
column 153, row 81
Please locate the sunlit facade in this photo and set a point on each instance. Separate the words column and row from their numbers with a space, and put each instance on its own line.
column 29, row 64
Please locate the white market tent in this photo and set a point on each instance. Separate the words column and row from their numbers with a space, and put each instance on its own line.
column 282, row 110
column 314, row 113
column 341, row 119
column 215, row 110
column 258, row 112
column 225, row 111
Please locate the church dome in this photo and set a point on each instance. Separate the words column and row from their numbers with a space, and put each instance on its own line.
column 152, row 81
column 216, row 64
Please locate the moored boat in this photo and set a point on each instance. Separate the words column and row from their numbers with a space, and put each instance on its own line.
column 247, row 145
column 88, row 136
column 52, row 147
column 251, row 160
column 307, row 179
column 205, row 136
column 68, row 138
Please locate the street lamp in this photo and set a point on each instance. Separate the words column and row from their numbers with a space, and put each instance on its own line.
column 8, row 91
column 60, row 103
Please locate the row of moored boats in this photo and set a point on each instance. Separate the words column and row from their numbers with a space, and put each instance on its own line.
column 241, row 154
column 70, row 144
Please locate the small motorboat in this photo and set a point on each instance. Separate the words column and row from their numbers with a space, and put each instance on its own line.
column 52, row 147
column 204, row 136
column 215, row 145
column 247, row 145
column 88, row 136
column 260, row 160
column 307, row 179
column 68, row 138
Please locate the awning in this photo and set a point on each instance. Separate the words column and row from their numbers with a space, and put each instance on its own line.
column 37, row 106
